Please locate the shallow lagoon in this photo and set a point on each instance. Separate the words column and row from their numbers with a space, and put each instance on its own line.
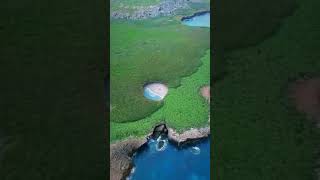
column 202, row 20
column 149, row 94
column 162, row 160
column 155, row 91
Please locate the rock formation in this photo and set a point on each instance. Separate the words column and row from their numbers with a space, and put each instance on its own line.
column 120, row 157
column 189, row 136
column 164, row 8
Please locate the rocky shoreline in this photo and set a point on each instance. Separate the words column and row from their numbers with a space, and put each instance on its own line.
column 121, row 157
column 188, row 137
column 164, row 8
column 121, row 152
column 195, row 14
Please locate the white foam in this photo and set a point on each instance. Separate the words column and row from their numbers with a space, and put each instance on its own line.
column 165, row 143
column 195, row 150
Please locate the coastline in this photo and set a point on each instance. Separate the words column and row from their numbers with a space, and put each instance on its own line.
column 121, row 152
column 195, row 14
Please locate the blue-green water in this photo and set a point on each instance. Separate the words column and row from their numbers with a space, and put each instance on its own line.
column 168, row 162
column 151, row 95
column 202, row 20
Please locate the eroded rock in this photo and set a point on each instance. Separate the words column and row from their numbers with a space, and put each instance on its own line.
column 164, row 8
column 159, row 130
column 189, row 136
column 120, row 157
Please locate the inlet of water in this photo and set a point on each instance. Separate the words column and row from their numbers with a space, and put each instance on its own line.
column 160, row 159
column 198, row 20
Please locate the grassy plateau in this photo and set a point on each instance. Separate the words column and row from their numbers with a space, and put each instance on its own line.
column 147, row 51
column 258, row 134
column 52, row 122
column 183, row 107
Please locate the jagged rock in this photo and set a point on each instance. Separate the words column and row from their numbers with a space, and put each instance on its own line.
column 159, row 130
column 188, row 136
column 195, row 14
column 164, row 8
column 120, row 157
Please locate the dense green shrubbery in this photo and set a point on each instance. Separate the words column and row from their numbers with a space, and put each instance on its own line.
column 238, row 24
column 241, row 23
column 183, row 107
column 257, row 132
column 51, row 104
column 146, row 51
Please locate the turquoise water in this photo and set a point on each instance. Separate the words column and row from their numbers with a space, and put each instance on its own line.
column 151, row 95
column 202, row 20
column 162, row 160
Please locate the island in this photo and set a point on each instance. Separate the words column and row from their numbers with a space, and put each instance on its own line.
column 159, row 86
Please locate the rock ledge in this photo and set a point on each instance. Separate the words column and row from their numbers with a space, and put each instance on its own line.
column 189, row 136
column 120, row 157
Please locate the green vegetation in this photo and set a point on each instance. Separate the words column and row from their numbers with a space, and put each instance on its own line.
column 130, row 6
column 51, row 109
column 247, row 22
column 146, row 51
column 257, row 132
column 201, row 5
column 239, row 24
column 183, row 107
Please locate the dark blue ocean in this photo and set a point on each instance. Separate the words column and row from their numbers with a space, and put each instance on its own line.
column 168, row 162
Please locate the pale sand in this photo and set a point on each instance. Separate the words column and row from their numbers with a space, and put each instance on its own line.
column 205, row 92
column 158, row 89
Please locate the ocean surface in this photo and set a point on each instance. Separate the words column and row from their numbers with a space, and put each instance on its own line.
column 202, row 20
column 162, row 160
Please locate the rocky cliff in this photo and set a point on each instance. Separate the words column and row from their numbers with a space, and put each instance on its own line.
column 164, row 8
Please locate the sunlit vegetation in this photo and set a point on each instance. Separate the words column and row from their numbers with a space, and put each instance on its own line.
column 147, row 51
column 183, row 107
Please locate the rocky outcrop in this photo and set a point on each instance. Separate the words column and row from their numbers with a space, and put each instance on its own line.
column 159, row 130
column 195, row 14
column 164, row 8
column 189, row 136
column 120, row 157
